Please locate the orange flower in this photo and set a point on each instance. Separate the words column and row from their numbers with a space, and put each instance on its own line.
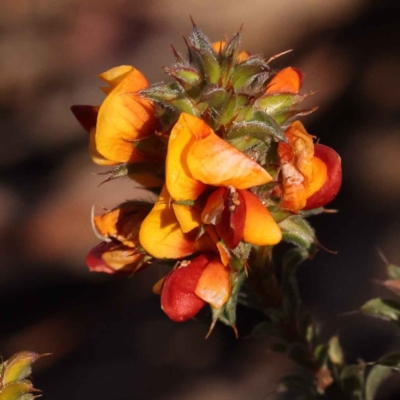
column 122, row 118
column 120, row 250
column 307, row 174
column 206, row 182
column 186, row 289
column 287, row 80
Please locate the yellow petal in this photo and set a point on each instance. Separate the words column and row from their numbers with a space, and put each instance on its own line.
column 213, row 161
column 96, row 157
column 188, row 217
column 180, row 183
column 160, row 233
column 124, row 117
column 318, row 177
column 114, row 76
column 259, row 227
column 214, row 285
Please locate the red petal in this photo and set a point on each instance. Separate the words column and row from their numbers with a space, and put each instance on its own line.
column 178, row 299
column 334, row 180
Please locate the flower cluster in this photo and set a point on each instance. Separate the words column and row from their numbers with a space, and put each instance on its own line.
column 221, row 147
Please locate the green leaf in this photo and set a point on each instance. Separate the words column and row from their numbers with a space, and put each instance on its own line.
column 297, row 230
column 393, row 271
column 386, row 309
column 352, row 379
column 391, row 360
column 375, row 378
column 187, row 77
column 216, row 97
column 335, row 351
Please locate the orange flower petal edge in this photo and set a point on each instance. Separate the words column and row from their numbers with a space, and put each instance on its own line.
column 214, row 285
column 287, row 80
column 259, row 228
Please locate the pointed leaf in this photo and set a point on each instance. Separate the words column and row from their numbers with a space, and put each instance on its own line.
column 275, row 129
column 376, row 377
column 391, row 360
column 386, row 309
column 246, row 69
column 393, row 271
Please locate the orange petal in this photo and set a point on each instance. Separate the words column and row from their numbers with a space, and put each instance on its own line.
column 213, row 161
column 287, row 80
column 259, row 228
column 122, row 223
column 214, row 285
column 219, row 46
column 180, row 182
column 318, row 176
column 123, row 116
column 96, row 157
column 113, row 257
column 116, row 75
column 189, row 217
column 160, row 233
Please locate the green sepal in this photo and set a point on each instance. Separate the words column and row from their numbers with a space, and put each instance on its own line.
column 186, row 76
column 228, row 112
column 130, row 170
column 298, row 231
column 290, row 115
column 210, row 66
column 216, row 97
column 275, row 130
column 377, row 375
column 163, row 92
column 227, row 313
column 247, row 69
column 386, row 309
column 274, row 104
column 231, row 50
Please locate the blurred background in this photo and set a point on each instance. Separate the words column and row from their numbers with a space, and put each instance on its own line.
column 108, row 336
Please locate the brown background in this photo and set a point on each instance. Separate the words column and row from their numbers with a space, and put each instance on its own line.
column 108, row 336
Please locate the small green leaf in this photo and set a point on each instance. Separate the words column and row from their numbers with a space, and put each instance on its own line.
column 393, row 271
column 187, row 77
column 216, row 97
column 375, row 378
column 335, row 351
column 391, row 360
column 276, row 131
column 386, row 309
